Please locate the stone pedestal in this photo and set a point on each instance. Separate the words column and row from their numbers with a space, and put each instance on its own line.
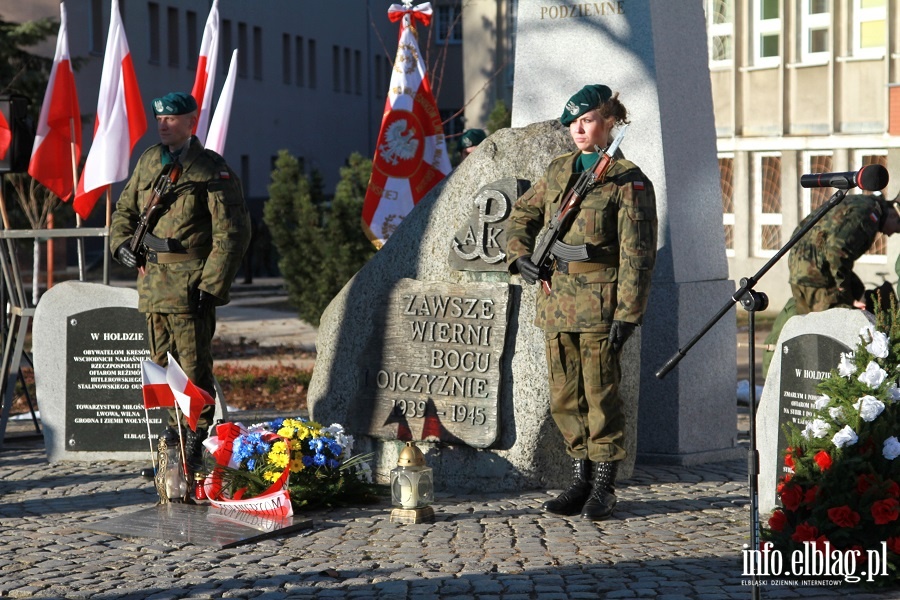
column 654, row 54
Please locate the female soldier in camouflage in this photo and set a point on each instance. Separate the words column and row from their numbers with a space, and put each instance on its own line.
column 594, row 304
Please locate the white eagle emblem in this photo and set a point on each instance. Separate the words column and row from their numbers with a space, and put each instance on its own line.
column 399, row 142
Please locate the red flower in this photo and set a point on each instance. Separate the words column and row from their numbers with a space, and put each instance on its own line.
column 791, row 497
column 820, row 543
column 805, row 533
column 823, row 460
column 865, row 481
column 810, row 496
column 843, row 516
column 892, row 488
column 856, row 552
column 893, row 544
column 885, row 511
column 777, row 521
column 789, row 458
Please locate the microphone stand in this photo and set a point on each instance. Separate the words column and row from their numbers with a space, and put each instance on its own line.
column 753, row 301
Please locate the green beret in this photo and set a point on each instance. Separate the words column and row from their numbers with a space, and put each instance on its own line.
column 472, row 137
column 175, row 103
column 587, row 99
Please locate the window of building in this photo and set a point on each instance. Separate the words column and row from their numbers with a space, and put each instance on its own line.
column 720, row 31
column 348, row 66
column 311, row 56
column 336, row 68
column 812, row 198
column 869, row 28
column 257, row 54
column 357, row 72
column 726, row 180
column 226, row 47
column 448, row 24
column 300, row 79
column 878, row 251
column 767, row 203
column 172, row 35
column 154, row 25
column 243, row 48
column 193, row 45
column 286, row 54
column 96, row 23
column 767, row 32
column 815, row 30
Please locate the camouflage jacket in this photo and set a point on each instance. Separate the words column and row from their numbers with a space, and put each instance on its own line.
column 618, row 220
column 207, row 213
column 824, row 257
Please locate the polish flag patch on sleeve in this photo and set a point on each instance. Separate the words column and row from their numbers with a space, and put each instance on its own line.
column 638, row 185
column 874, row 217
column 224, row 175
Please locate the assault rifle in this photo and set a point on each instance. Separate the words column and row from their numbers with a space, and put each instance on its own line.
column 142, row 238
column 550, row 247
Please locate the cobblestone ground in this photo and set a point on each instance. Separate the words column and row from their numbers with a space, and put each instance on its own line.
column 678, row 533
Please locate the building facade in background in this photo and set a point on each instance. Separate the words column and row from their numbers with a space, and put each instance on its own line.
column 800, row 86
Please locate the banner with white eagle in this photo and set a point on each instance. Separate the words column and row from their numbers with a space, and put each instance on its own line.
column 411, row 153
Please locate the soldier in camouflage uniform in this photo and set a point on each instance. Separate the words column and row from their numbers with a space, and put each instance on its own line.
column 594, row 304
column 207, row 224
column 821, row 263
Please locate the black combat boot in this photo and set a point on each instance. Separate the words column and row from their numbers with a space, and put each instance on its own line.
column 602, row 498
column 193, row 448
column 572, row 500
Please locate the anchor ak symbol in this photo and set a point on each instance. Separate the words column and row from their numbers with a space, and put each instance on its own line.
column 482, row 237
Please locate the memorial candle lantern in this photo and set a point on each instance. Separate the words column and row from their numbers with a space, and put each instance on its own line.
column 412, row 487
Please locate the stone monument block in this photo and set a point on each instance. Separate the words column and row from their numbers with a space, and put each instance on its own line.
column 527, row 451
column 89, row 341
column 808, row 348
column 654, row 54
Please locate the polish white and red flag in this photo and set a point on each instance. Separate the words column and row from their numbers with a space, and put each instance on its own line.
column 189, row 398
column 205, row 78
column 155, row 387
column 218, row 126
column 57, row 141
column 411, row 152
column 5, row 136
column 121, row 120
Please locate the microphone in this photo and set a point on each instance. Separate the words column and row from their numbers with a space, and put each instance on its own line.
column 870, row 178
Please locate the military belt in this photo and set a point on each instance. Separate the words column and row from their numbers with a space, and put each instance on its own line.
column 166, row 258
column 567, row 267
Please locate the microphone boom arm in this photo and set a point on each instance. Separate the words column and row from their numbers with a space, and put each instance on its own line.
column 747, row 283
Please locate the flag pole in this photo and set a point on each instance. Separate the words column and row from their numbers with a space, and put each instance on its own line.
column 150, row 441
column 106, row 250
column 178, row 414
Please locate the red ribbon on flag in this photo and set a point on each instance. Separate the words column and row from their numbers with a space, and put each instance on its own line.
column 420, row 12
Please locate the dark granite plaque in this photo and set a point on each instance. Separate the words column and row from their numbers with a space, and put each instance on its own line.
column 480, row 245
column 805, row 361
column 198, row 524
column 433, row 373
column 104, row 404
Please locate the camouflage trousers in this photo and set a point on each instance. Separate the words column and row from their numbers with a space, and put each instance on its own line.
column 584, row 395
column 817, row 299
column 189, row 338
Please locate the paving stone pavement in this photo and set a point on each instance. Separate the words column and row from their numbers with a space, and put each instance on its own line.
column 677, row 533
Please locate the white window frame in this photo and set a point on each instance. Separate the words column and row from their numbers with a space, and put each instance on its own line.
column 719, row 30
column 864, row 15
column 728, row 218
column 767, row 27
column 759, row 217
column 876, row 259
column 806, row 193
column 809, row 23
column 445, row 17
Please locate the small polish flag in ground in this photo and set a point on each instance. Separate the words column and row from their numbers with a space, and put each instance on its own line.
column 156, row 390
column 189, row 397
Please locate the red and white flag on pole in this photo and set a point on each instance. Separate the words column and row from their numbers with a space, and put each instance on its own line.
column 411, row 153
column 121, row 120
column 218, row 128
column 206, row 72
column 57, row 142
column 189, row 397
column 155, row 387
column 5, row 136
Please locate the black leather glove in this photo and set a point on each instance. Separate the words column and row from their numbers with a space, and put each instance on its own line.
column 126, row 257
column 527, row 269
column 206, row 302
column 619, row 331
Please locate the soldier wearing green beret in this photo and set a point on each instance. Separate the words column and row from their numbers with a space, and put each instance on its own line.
column 595, row 304
column 205, row 230
column 469, row 141
column 821, row 262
